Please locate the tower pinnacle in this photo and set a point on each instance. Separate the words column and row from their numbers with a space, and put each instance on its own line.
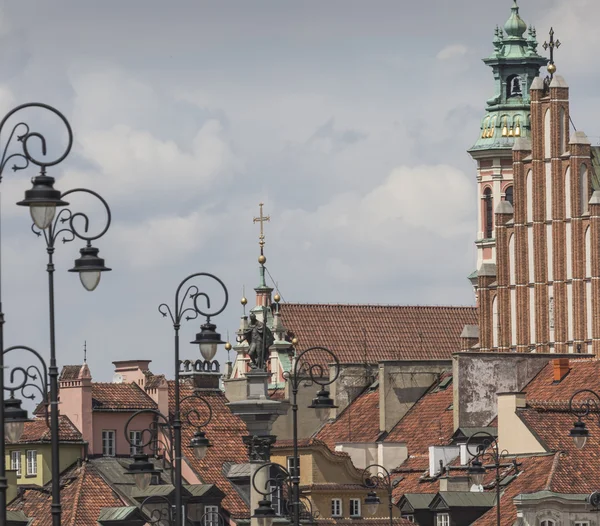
column 261, row 219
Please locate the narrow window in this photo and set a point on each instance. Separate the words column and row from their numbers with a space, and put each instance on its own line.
column 336, row 507
column 583, row 189
column 211, row 515
column 31, row 462
column 108, row 443
column 443, row 519
column 354, row 507
column 488, row 213
column 509, row 194
column 15, row 462
column 411, row 518
column 291, row 467
column 135, row 441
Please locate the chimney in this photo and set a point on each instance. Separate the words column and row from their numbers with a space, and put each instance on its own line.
column 469, row 337
column 75, row 397
column 456, row 483
column 560, row 368
column 131, row 371
column 205, row 375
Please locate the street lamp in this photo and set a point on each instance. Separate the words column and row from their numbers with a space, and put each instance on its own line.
column 582, row 409
column 42, row 200
column 208, row 340
column 278, row 485
column 381, row 479
column 319, row 375
column 487, row 448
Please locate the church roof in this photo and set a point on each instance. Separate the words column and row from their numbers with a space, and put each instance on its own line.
column 372, row 333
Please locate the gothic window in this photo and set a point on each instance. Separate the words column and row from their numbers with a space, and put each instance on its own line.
column 513, row 87
column 509, row 194
column 488, row 214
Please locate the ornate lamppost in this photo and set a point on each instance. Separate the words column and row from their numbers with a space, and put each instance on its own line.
column 159, row 437
column 278, row 487
column 42, row 200
column 376, row 476
column 487, row 448
column 208, row 340
column 582, row 410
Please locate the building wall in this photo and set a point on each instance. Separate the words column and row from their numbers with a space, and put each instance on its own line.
column 116, row 421
column 402, row 383
column 68, row 454
column 557, row 508
column 539, row 298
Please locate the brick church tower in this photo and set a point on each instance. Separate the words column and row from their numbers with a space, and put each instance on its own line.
column 538, row 274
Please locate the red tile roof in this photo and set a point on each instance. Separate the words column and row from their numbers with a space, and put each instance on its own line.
column 37, row 431
column 70, row 372
column 577, row 469
column 356, row 333
column 584, row 373
column 412, row 477
column 120, row 397
column 83, row 493
column 359, row 422
column 225, row 432
column 535, row 475
column 398, row 521
column 432, row 414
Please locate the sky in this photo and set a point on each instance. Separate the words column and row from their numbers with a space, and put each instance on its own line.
column 349, row 119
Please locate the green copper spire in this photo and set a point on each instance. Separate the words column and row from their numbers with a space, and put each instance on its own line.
column 515, row 63
column 515, row 27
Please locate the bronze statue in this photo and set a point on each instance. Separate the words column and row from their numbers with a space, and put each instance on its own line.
column 259, row 338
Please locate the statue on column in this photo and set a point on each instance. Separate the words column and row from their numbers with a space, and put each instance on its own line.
column 259, row 338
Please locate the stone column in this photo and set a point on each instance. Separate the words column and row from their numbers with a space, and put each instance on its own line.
column 259, row 412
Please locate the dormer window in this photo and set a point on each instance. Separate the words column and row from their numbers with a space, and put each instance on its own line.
column 513, row 87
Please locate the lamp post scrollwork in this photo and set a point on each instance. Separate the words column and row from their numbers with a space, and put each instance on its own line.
column 487, row 449
column 377, row 477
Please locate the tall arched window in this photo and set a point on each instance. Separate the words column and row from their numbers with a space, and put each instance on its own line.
column 509, row 194
column 488, row 213
column 548, row 522
column 583, row 189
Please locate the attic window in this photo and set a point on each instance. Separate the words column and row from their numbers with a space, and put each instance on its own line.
column 445, row 382
column 507, row 480
column 450, row 407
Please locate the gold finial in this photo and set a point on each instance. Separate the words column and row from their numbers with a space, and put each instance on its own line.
column 518, row 128
column 294, row 341
column 261, row 238
column 243, row 301
column 228, row 346
column 552, row 44
column 277, row 297
column 505, row 129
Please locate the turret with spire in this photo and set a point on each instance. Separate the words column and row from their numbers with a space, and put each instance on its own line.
column 515, row 63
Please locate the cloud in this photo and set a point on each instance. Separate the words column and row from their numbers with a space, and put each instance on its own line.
column 452, row 51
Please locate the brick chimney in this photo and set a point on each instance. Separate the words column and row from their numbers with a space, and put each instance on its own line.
column 205, row 375
column 560, row 368
column 131, row 371
column 75, row 396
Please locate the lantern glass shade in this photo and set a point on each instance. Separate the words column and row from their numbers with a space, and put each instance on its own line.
column 265, row 521
column 90, row 280
column 477, row 472
column 14, row 430
column 42, row 214
column 478, row 478
column 208, row 350
column 142, row 480
column 322, row 404
column 200, row 451
column 372, row 503
column 322, row 412
column 580, row 441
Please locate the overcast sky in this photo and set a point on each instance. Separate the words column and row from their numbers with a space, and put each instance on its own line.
column 349, row 119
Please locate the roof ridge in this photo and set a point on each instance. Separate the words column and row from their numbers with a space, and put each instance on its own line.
column 77, row 496
column 553, row 469
column 379, row 305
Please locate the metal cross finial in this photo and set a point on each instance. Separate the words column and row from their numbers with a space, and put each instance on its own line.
column 261, row 219
column 551, row 44
column 84, row 351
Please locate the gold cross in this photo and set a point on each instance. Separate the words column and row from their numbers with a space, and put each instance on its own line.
column 552, row 44
column 261, row 219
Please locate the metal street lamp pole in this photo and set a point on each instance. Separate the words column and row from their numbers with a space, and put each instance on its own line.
column 487, row 447
column 42, row 210
column 382, row 479
column 319, row 375
column 582, row 407
column 208, row 340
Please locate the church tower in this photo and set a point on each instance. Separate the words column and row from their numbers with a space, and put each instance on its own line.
column 515, row 64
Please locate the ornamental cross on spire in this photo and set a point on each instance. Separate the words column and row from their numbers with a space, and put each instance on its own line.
column 552, row 44
column 261, row 219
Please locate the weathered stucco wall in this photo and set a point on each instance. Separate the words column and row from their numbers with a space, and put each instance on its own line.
column 402, row 383
column 478, row 377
